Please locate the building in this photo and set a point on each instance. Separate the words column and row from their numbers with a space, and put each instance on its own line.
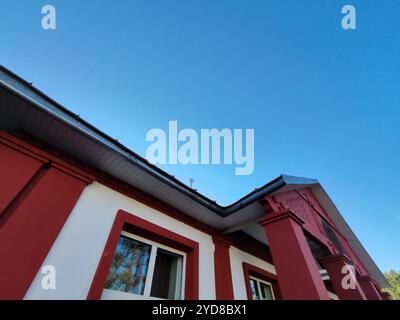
column 77, row 202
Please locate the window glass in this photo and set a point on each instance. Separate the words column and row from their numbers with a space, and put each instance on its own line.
column 266, row 291
column 254, row 289
column 142, row 268
column 129, row 267
column 260, row 289
column 167, row 275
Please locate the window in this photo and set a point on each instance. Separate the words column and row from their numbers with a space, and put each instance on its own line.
column 260, row 283
column 143, row 269
column 129, row 225
column 260, row 289
column 167, row 275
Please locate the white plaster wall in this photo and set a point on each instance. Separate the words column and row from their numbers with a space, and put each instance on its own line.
column 78, row 248
column 237, row 258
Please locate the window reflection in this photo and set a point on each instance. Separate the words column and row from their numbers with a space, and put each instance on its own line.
column 254, row 289
column 129, row 267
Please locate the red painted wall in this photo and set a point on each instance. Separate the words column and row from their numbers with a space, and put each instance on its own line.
column 16, row 169
column 38, row 192
column 297, row 271
column 38, row 196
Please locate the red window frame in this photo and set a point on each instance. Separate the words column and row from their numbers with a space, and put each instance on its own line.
column 125, row 221
column 251, row 270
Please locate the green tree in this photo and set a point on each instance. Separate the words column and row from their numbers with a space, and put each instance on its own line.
column 393, row 278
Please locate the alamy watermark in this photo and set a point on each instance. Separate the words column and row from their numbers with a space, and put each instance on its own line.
column 49, row 277
column 49, row 18
column 349, row 280
column 348, row 21
column 187, row 146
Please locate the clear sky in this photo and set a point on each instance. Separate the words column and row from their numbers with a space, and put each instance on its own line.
column 324, row 102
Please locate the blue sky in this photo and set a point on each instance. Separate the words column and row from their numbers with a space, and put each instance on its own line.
column 324, row 102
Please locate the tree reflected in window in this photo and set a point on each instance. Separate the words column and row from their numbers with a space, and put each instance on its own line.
column 129, row 267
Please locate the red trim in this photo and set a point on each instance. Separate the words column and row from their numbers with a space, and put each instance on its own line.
column 334, row 266
column 16, row 169
column 250, row 245
column 40, row 152
column 129, row 222
column 250, row 270
column 222, row 270
column 370, row 288
column 40, row 192
column 351, row 254
column 45, row 157
column 299, row 277
column 22, row 147
column 29, row 227
column 153, row 202
column 238, row 239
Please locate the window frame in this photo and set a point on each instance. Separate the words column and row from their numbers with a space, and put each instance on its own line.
column 127, row 222
column 179, row 286
column 258, row 282
column 253, row 272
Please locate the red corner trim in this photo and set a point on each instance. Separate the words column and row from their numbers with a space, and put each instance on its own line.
column 276, row 216
column 221, row 241
column 33, row 211
column 29, row 226
column 44, row 157
column 336, row 257
column 222, row 269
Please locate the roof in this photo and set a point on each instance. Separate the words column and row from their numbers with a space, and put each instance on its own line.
column 23, row 106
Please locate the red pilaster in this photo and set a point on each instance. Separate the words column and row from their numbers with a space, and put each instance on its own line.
column 335, row 266
column 31, row 225
column 298, row 275
column 16, row 169
column 222, row 267
column 369, row 288
column 37, row 193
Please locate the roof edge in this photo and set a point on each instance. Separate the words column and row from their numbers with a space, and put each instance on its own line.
column 28, row 92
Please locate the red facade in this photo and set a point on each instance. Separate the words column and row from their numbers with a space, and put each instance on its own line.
column 39, row 191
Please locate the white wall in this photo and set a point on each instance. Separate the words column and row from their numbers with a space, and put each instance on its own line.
column 79, row 246
column 237, row 258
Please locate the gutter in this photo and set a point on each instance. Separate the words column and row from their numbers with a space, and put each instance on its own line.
column 26, row 91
